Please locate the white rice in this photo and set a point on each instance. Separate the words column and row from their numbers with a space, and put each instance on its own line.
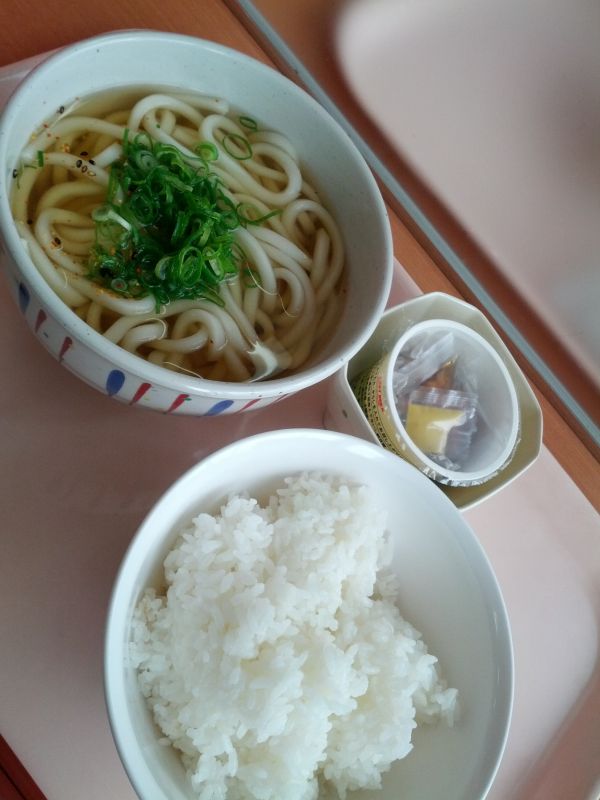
column 277, row 662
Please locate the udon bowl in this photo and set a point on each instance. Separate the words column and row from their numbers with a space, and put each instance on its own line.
column 347, row 187
column 448, row 591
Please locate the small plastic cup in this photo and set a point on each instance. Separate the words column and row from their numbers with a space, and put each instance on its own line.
column 498, row 410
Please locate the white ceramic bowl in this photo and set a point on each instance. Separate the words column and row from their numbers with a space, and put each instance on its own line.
column 343, row 412
column 133, row 58
column 448, row 592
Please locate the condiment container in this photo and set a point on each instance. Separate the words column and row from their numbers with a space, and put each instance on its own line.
column 498, row 412
column 344, row 413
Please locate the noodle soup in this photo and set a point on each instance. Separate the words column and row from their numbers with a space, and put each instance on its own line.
column 292, row 336
column 182, row 230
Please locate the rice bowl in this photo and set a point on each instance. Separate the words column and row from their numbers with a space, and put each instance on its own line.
column 276, row 661
column 446, row 589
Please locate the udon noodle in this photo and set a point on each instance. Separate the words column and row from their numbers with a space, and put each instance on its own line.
column 266, row 316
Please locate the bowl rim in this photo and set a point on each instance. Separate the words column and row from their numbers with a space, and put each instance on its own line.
column 115, row 354
column 118, row 625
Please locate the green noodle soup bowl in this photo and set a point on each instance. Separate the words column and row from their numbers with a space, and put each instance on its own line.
column 149, row 61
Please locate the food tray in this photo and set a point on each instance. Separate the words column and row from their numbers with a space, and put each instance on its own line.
column 78, row 474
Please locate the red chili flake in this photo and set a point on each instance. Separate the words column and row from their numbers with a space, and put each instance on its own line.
column 83, row 153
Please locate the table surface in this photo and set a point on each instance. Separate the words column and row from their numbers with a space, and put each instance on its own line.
column 451, row 213
column 63, row 537
column 527, row 185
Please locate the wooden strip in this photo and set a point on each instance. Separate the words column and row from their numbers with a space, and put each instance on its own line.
column 8, row 791
column 16, row 776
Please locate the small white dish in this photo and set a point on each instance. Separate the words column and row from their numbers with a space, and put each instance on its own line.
column 343, row 412
column 448, row 591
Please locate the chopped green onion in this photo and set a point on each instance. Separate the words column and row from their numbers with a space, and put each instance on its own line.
column 40, row 158
column 107, row 214
column 207, row 151
column 248, row 214
column 248, row 122
column 237, row 146
column 166, row 227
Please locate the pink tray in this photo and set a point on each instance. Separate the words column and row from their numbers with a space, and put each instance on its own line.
column 494, row 106
column 79, row 472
